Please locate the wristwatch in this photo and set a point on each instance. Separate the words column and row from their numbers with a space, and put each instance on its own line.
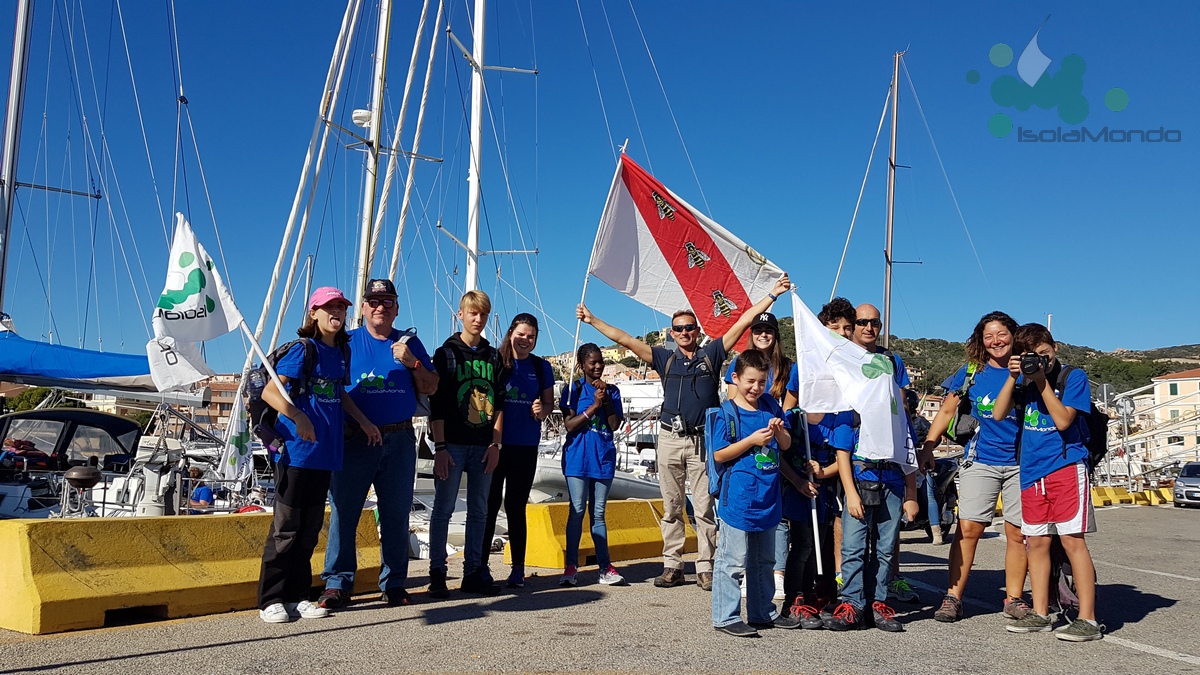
column 499, row 446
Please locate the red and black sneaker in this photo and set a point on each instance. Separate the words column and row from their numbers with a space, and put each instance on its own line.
column 806, row 614
column 845, row 617
column 332, row 598
column 885, row 618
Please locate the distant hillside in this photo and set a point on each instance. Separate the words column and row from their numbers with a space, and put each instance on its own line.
column 936, row 360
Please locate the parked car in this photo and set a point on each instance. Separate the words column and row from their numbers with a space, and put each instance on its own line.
column 1187, row 485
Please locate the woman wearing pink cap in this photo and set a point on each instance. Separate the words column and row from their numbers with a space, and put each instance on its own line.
column 314, row 370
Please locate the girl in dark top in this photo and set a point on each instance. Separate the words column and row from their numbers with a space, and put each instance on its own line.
column 530, row 399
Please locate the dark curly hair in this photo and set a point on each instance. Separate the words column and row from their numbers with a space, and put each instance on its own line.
column 837, row 308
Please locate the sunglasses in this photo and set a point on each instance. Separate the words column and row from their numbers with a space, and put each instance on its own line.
column 685, row 328
column 376, row 302
column 875, row 323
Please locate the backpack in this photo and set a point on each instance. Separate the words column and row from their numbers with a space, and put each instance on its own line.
column 716, row 470
column 963, row 425
column 540, row 369
column 1096, row 422
column 262, row 416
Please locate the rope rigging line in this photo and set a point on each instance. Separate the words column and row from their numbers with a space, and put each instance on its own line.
column 36, row 266
column 628, row 93
column 612, row 145
column 670, row 109
column 861, row 190
column 945, row 175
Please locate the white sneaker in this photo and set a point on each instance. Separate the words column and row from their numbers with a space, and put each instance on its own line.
column 275, row 613
column 311, row 610
column 611, row 577
column 779, row 594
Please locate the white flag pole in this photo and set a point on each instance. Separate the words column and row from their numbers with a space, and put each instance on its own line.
column 812, row 501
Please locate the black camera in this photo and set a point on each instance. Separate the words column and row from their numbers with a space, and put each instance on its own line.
column 1030, row 363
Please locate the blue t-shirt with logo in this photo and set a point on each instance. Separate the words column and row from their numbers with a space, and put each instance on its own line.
column 824, row 436
column 1043, row 450
column 524, row 386
column 995, row 443
column 322, row 403
column 381, row 388
column 589, row 452
column 750, row 498
column 202, row 494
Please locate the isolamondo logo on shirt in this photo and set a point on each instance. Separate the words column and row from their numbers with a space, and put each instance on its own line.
column 476, row 397
column 766, row 459
column 370, row 383
column 324, row 390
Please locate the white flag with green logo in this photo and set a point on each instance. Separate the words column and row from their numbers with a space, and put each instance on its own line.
column 237, row 462
column 834, row 374
column 195, row 305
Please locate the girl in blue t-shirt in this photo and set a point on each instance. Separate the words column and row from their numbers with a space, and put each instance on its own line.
column 530, row 398
column 989, row 468
column 311, row 427
column 592, row 410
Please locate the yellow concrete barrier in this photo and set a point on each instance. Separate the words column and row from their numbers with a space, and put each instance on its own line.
column 1099, row 498
column 1140, row 499
column 633, row 533
column 1154, row 497
column 999, row 505
column 69, row 574
column 1168, row 496
column 1120, row 495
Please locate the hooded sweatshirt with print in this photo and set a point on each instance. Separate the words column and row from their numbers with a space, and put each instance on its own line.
column 470, row 392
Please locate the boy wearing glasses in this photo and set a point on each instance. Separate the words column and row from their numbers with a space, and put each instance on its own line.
column 691, row 379
column 388, row 369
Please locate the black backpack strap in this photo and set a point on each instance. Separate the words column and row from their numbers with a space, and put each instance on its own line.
column 1061, row 385
column 539, row 368
column 345, row 347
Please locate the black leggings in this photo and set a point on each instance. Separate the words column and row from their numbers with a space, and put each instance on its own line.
column 800, row 579
column 517, row 465
column 286, row 573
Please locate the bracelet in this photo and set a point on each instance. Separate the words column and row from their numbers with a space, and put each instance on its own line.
column 439, row 446
column 772, row 296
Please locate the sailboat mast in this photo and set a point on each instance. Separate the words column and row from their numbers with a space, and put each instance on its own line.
column 374, row 135
column 474, row 189
column 891, row 207
column 12, row 132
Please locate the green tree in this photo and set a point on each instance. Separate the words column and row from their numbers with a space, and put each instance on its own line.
column 631, row 362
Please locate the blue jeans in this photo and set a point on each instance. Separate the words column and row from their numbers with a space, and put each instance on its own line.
column 468, row 459
column 884, row 520
column 392, row 468
column 751, row 554
column 931, row 497
column 582, row 491
column 781, row 547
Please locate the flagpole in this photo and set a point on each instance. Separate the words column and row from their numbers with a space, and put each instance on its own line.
column 812, row 501
column 588, row 275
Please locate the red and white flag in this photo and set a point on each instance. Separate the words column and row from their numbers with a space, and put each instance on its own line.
column 659, row 250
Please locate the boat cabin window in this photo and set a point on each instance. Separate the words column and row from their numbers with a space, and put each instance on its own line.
column 89, row 441
column 26, row 435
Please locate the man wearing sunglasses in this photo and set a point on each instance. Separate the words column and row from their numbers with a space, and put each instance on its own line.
column 690, row 386
column 389, row 368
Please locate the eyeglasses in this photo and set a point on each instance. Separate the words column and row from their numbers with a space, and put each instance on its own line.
column 376, row 302
column 685, row 328
column 874, row 323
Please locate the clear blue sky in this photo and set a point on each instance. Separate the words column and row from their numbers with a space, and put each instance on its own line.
column 777, row 102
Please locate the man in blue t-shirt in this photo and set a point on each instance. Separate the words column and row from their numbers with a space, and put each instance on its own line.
column 388, row 368
column 1055, row 486
column 691, row 384
column 201, row 499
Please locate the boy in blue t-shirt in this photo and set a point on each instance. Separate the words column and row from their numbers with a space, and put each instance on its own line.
column 1055, row 490
column 747, row 438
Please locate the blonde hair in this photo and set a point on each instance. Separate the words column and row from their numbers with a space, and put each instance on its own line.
column 475, row 301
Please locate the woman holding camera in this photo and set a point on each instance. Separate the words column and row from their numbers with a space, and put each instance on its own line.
column 989, row 467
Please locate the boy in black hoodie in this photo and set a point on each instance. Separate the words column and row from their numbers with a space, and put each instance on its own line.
column 465, row 421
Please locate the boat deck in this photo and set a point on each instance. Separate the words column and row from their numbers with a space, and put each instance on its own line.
column 1148, row 597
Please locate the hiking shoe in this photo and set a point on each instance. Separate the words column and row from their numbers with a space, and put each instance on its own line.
column 672, row 577
column 397, row 597
column 1016, row 608
column 275, row 613
column 827, row 607
column 485, row 573
column 478, row 584
column 310, row 610
column 885, row 618
column 1032, row 623
column 901, row 591
column 950, row 611
column 779, row 594
column 1080, row 630
column 781, row 621
column 611, row 577
column 332, row 598
column 568, row 577
column 703, row 580
column 806, row 615
column 845, row 617
column 437, row 584
column 738, row 629
column 516, row 579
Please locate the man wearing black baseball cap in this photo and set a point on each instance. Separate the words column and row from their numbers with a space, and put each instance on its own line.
column 389, row 368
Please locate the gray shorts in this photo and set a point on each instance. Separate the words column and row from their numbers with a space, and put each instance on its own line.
column 978, row 487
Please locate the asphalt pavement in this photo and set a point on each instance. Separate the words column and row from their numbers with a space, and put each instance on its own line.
column 1148, row 597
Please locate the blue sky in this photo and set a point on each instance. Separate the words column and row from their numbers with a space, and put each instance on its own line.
column 777, row 103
